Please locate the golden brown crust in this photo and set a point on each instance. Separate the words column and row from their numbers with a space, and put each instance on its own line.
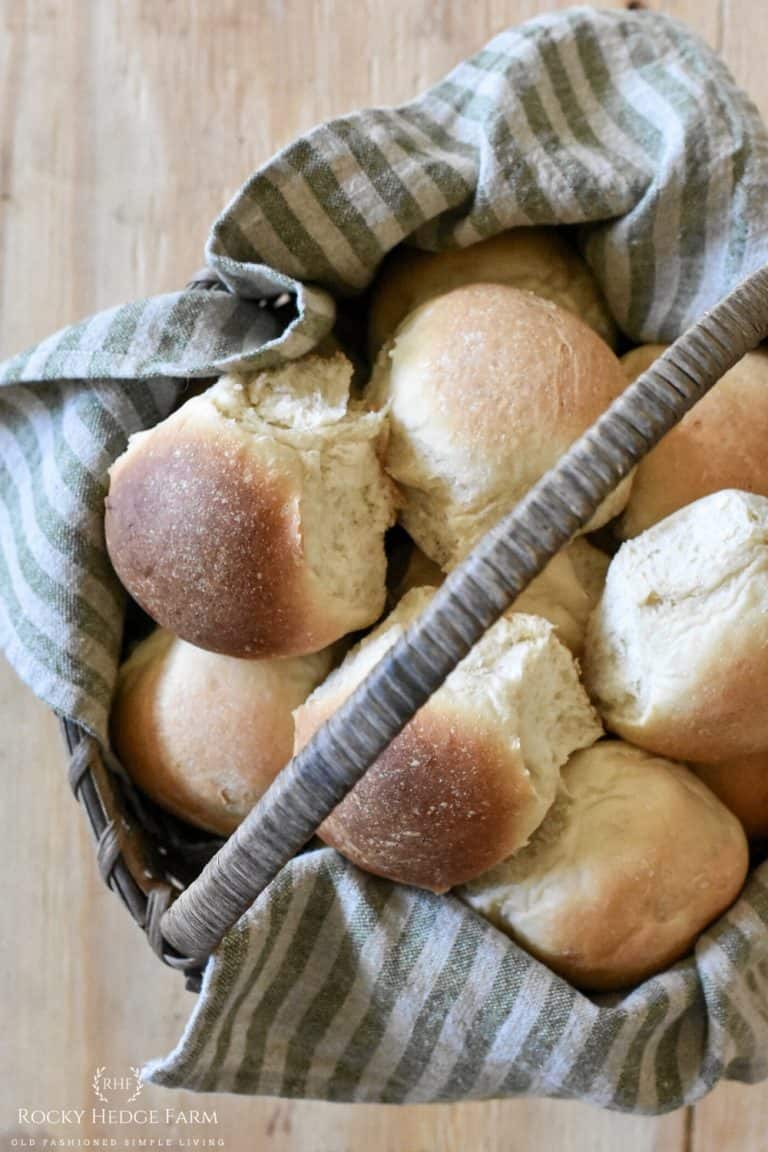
column 487, row 387
column 742, row 785
column 633, row 861
column 444, row 802
column 467, row 782
column 191, row 498
column 136, row 735
column 538, row 260
column 487, row 336
column 204, row 735
column 720, row 443
column 610, row 954
column 251, row 521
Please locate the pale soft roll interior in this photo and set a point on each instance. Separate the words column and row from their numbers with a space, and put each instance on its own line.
column 345, row 502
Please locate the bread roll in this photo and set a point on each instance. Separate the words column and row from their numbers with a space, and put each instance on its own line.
column 742, row 785
column 473, row 774
column 538, row 260
column 251, row 522
column 676, row 656
column 486, row 388
column 634, row 860
column 567, row 592
column 205, row 735
column 720, row 443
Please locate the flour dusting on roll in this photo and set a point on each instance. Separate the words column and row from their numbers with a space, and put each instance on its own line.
column 486, row 388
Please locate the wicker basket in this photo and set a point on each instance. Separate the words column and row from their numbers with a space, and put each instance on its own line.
column 184, row 888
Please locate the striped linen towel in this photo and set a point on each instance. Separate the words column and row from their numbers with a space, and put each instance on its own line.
column 335, row 984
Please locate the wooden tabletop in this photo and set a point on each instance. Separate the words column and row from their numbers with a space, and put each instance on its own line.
column 124, row 128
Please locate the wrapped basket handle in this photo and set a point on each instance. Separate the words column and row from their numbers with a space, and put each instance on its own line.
column 472, row 598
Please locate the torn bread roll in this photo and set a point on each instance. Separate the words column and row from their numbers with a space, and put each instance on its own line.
column 251, row 522
column 205, row 735
column 676, row 656
column 538, row 260
column 720, row 443
column 473, row 774
column 486, row 387
column 634, row 860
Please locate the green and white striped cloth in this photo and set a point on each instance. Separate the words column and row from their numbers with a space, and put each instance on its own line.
column 338, row 985
column 341, row 986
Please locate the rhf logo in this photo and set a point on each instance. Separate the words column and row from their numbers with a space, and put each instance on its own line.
column 105, row 1087
column 115, row 1094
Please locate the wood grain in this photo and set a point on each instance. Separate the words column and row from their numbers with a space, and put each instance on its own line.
column 123, row 130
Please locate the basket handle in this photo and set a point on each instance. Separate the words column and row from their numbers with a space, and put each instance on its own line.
column 472, row 598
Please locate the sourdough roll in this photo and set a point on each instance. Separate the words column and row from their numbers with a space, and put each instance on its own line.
column 634, row 860
column 473, row 774
column 719, row 444
column 486, row 388
column 205, row 735
column 538, row 260
column 676, row 657
column 742, row 785
column 251, row 522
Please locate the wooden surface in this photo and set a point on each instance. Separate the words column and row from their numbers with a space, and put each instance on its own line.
column 124, row 127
